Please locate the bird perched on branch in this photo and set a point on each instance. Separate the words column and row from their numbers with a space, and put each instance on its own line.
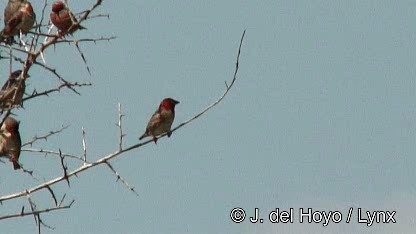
column 10, row 142
column 12, row 91
column 63, row 18
column 161, row 120
column 18, row 17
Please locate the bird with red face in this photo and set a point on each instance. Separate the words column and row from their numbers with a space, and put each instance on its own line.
column 161, row 121
column 12, row 91
column 63, row 18
column 10, row 142
column 18, row 17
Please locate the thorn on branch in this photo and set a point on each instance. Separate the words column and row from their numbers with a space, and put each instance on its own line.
column 83, row 57
column 28, row 172
column 64, row 168
column 53, row 194
column 84, row 145
column 62, row 201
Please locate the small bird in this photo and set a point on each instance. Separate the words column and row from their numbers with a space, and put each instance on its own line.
column 10, row 142
column 161, row 120
column 18, row 16
column 12, row 91
column 63, row 18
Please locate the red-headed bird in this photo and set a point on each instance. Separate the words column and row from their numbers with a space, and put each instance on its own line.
column 12, row 91
column 161, row 120
column 63, row 18
column 10, row 142
column 18, row 16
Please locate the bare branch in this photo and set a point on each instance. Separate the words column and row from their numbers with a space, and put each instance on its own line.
column 228, row 87
column 42, row 151
column 57, row 89
column 45, row 137
column 33, row 208
column 27, row 53
column 55, row 73
column 119, row 178
column 108, row 157
column 15, row 49
column 22, row 213
column 99, row 16
column 84, row 145
column 29, row 172
column 120, row 127
column 88, row 12
column 64, row 168
column 45, row 4
column 83, row 57
column 95, row 40
column 53, row 195
column 62, row 200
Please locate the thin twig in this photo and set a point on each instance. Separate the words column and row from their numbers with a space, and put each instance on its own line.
column 22, row 214
column 52, row 194
column 99, row 16
column 121, row 179
column 33, row 208
column 42, row 151
column 45, row 137
column 55, row 73
column 95, row 40
column 120, row 127
column 83, row 57
column 64, row 168
column 57, row 89
column 84, row 145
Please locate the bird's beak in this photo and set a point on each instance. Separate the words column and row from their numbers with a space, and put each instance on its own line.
column 176, row 102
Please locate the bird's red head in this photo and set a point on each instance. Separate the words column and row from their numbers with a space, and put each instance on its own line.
column 58, row 6
column 168, row 104
column 16, row 74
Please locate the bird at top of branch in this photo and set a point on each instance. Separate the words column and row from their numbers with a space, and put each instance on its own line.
column 161, row 121
column 64, row 19
column 18, row 17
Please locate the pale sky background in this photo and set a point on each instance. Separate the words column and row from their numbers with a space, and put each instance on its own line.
column 322, row 116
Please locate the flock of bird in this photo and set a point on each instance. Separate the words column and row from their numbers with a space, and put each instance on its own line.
column 19, row 18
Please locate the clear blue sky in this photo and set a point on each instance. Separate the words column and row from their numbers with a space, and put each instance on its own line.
column 323, row 115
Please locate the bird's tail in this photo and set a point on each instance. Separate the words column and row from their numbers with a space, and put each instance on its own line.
column 16, row 165
column 143, row 136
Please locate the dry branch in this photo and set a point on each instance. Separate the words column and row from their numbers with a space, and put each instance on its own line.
column 46, row 136
column 35, row 212
column 105, row 159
